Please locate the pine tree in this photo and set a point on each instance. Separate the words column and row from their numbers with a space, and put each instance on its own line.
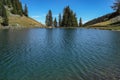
column 26, row 10
column 0, row 8
column 60, row 20
column 80, row 22
column 17, row 8
column 65, row 17
column 116, row 6
column 74, row 20
column 9, row 3
column 55, row 22
column 14, row 11
column 69, row 18
column 5, row 17
column 20, row 10
column 4, row 2
column 49, row 19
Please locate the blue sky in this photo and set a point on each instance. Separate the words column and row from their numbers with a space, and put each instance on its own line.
column 87, row 9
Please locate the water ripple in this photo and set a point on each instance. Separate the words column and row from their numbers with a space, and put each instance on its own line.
column 59, row 54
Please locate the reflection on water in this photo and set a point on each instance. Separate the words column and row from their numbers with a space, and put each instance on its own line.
column 59, row 54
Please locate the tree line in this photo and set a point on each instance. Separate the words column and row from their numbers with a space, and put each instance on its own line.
column 68, row 19
column 15, row 7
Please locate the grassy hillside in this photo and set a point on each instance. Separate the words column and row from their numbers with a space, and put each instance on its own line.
column 105, row 19
column 22, row 22
column 16, row 21
column 112, row 22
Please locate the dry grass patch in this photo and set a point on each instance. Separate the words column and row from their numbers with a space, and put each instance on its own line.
column 25, row 22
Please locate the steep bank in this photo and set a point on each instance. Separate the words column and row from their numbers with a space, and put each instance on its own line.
column 22, row 22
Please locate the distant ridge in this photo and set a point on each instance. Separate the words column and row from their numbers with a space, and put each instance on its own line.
column 101, row 19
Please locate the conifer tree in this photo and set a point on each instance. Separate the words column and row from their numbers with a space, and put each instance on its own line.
column 69, row 18
column 116, row 6
column 60, row 20
column 14, row 11
column 55, row 22
column 4, row 2
column 20, row 10
column 65, row 17
column 0, row 8
column 9, row 3
column 74, row 20
column 5, row 17
column 26, row 10
column 80, row 22
column 49, row 19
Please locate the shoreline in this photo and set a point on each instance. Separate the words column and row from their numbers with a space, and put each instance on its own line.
column 117, row 28
column 111, row 28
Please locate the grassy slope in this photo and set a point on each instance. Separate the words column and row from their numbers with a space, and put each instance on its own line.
column 25, row 22
column 107, row 24
column 16, row 21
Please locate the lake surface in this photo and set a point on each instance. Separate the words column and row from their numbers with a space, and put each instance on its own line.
column 59, row 54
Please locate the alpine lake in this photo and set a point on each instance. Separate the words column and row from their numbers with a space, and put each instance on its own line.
column 59, row 54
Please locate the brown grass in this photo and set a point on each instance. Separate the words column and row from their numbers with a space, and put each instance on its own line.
column 25, row 22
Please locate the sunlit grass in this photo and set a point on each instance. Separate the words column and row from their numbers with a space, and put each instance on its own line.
column 23, row 22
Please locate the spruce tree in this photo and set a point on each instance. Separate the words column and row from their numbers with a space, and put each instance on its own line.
column 0, row 8
column 74, row 22
column 5, row 17
column 60, row 20
column 20, row 10
column 9, row 3
column 80, row 22
column 49, row 19
column 65, row 17
column 26, row 11
column 4, row 2
column 69, row 18
column 14, row 11
column 55, row 22
column 116, row 6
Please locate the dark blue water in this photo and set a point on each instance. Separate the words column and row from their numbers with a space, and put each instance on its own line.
column 59, row 54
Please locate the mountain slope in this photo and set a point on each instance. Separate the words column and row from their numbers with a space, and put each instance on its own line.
column 12, row 10
column 112, row 22
column 23, row 22
column 17, row 21
column 104, row 20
